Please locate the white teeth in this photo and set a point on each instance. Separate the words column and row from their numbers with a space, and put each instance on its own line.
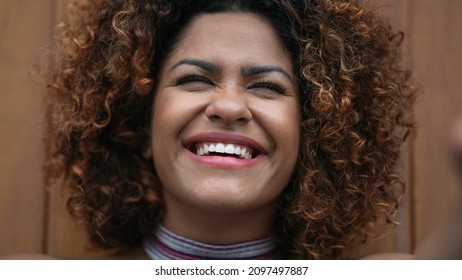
column 229, row 149
column 220, row 148
column 242, row 152
column 246, row 154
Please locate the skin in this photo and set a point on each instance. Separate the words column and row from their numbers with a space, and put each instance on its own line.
column 239, row 85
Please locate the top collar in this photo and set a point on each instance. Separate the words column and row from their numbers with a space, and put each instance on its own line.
column 169, row 246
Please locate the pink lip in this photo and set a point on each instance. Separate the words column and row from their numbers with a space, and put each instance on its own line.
column 224, row 162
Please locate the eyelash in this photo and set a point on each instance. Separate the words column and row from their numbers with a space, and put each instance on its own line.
column 269, row 85
column 265, row 84
column 193, row 79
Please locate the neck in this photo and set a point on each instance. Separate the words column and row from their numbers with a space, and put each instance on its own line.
column 219, row 227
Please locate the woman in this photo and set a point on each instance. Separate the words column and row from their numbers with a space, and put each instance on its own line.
column 253, row 129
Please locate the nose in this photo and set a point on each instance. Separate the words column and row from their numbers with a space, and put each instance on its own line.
column 229, row 106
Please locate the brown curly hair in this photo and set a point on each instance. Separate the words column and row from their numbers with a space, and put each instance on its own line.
column 356, row 104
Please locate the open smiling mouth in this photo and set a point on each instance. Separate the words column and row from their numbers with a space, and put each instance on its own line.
column 223, row 150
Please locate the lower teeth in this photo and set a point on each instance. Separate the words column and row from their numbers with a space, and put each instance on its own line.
column 224, row 155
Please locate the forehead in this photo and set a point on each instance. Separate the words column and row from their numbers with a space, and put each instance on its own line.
column 240, row 37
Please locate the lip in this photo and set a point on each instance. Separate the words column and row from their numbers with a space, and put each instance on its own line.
column 229, row 138
column 223, row 162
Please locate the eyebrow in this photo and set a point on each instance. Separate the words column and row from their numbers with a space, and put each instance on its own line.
column 257, row 70
column 209, row 67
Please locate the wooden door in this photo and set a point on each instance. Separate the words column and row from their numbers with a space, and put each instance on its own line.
column 436, row 40
column 26, row 28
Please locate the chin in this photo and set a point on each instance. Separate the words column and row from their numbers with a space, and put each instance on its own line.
column 228, row 203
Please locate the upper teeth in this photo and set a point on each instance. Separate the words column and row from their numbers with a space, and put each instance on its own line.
column 241, row 151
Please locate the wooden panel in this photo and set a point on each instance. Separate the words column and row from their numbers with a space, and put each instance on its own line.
column 399, row 239
column 65, row 238
column 25, row 28
column 437, row 41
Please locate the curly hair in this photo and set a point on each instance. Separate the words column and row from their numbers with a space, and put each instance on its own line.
column 356, row 102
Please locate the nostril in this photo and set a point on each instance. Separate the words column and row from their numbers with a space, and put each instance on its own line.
column 214, row 118
column 244, row 119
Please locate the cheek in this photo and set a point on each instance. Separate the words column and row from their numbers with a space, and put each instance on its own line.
column 284, row 123
column 167, row 113
column 161, row 125
column 288, row 134
column 172, row 112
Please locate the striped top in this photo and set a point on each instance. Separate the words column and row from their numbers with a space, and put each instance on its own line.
column 169, row 246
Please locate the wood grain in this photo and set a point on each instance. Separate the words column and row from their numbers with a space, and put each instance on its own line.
column 26, row 28
column 436, row 48
column 399, row 239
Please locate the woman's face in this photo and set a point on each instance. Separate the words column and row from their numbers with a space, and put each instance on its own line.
column 225, row 124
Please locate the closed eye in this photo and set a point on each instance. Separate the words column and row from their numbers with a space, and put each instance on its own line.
column 191, row 79
column 269, row 86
